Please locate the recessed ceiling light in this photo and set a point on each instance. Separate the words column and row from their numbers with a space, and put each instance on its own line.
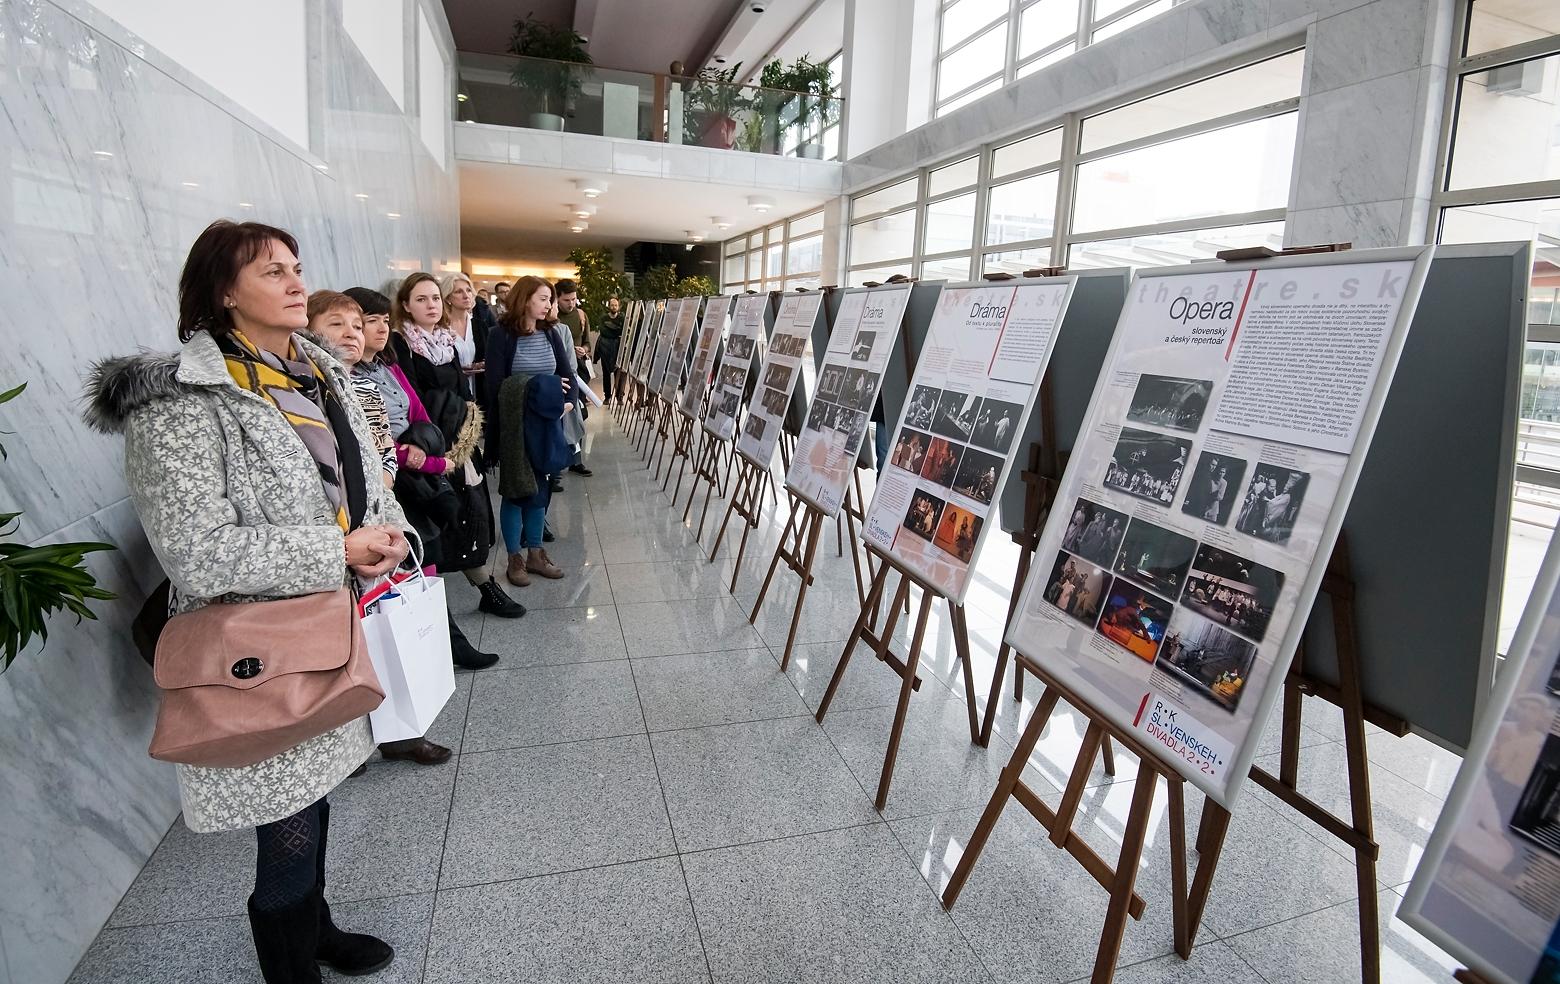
column 760, row 203
column 190, row 184
column 392, row 215
column 578, row 225
column 697, row 237
column 102, row 153
column 246, row 204
column 582, row 211
column 591, row 187
column 361, row 197
column 720, row 222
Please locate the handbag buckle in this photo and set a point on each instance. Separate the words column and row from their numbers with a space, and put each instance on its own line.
column 248, row 668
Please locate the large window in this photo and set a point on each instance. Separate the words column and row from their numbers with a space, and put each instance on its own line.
column 984, row 44
column 1167, row 177
column 1500, row 181
column 784, row 255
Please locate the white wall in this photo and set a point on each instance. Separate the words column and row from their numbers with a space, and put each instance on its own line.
column 116, row 160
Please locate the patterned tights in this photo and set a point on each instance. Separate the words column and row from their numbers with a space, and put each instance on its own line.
column 288, row 862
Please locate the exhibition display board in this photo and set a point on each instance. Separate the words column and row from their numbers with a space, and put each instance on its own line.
column 670, row 325
column 1208, row 485
column 777, row 376
column 1488, row 887
column 677, row 354
column 630, row 333
column 975, row 383
column 711, row 330
column 866, row 329
column 746, row 339
column 655, row 312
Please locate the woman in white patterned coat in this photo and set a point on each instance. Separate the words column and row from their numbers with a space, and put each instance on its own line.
column 254, row 474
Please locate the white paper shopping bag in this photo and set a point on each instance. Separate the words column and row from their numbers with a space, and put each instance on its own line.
column 408, row 636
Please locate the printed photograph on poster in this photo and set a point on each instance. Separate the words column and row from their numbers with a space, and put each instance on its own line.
column 1272, row 502
column 755, row 427
column 789, row 346
column 732, row 376
column 1169, row 401
column 773, row 402
column 956, row 415
column 1214, row 662
column 739, row 347
column 1147, row 465
column 1134, row 619
column 923, row 407
column 1537, row 817
column 997, row 425
column 863, row 347
column 957, row 532
column 853, row 424
column 1076, row 587
column 1232, row 591
column 1213, row 488
column 778, row 377
column 977, row 477
column 729, row 403
column 1094, row 532
column 830, row 383
column 1155, row 557
column 860, row 389
column 942, row 462
column 910, row 450
column 921, row 518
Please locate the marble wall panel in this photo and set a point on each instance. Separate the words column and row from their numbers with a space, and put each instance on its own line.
column 116, row 159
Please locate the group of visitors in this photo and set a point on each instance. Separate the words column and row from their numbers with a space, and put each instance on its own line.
column 302, row 444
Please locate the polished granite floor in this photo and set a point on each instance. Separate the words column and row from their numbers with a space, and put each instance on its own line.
column 641, row 795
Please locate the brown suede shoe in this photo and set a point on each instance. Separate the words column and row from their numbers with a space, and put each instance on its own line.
column 515, row 573
column 538, row 564
column 419, row 750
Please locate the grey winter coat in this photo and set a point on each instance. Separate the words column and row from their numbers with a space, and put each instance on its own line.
column 233, row 507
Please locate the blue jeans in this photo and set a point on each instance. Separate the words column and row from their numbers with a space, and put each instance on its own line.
column 522, row 520
column 880, row 437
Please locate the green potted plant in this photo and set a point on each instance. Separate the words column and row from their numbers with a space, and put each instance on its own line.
column 546, row 69
column 773, row 95
column 599, row 279
column 36, row 582
column 818, row 107
column 713, row 104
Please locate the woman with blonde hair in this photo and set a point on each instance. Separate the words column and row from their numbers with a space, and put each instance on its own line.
column 470, row 321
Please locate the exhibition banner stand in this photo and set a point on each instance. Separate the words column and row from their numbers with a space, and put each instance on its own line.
column 691, row 401
column 666, row 327
column 631, row 318
column 860, row 341
column 1174, row 601
column 1488, row 888
column 766, row 409
column 972, row 389
column 682, row 317
column 699, row 399
column 746, row 348
column 654, row 322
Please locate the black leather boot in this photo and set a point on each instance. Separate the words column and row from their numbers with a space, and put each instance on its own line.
column 465, row 655
column 286, row 941
column 352, row 954
column 496, row 602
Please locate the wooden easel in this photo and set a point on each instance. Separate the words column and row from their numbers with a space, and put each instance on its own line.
column 747, row 501
column 682, row 447
column 1119, row 881
column 905, row 667
column 797, row 547
column 706, row 469
column 1359, row 830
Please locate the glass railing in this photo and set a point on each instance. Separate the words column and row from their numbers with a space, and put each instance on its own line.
column 550, row 95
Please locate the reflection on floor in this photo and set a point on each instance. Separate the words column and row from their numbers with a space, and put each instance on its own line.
column 641, row 795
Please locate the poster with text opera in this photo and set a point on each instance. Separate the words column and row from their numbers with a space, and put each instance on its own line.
column 865, row 330
column 710, row 331
column 746, row 340
column 1488, row 887
column 777, row 377
column 1207, row 486
column 677, row 356
column 974, row 384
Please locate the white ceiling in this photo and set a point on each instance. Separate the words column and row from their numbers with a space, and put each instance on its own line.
column 517, row 213
column 785, row 30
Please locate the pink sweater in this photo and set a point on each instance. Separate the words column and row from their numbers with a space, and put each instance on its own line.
column 415, row 412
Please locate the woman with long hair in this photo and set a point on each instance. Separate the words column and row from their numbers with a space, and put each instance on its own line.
column 470, row 321
column 524, row 344
column 426, row 349
column 254, row 475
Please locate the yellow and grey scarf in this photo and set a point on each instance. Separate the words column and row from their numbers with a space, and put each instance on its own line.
column 299, row 390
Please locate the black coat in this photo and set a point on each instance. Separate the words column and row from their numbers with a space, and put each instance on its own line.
column 501, row 347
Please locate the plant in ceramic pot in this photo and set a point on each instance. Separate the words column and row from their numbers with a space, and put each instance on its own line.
column 37, row 581
column 546, row 69
column 713, row 104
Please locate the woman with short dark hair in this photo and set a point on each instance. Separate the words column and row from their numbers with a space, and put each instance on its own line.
column 254, row 474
